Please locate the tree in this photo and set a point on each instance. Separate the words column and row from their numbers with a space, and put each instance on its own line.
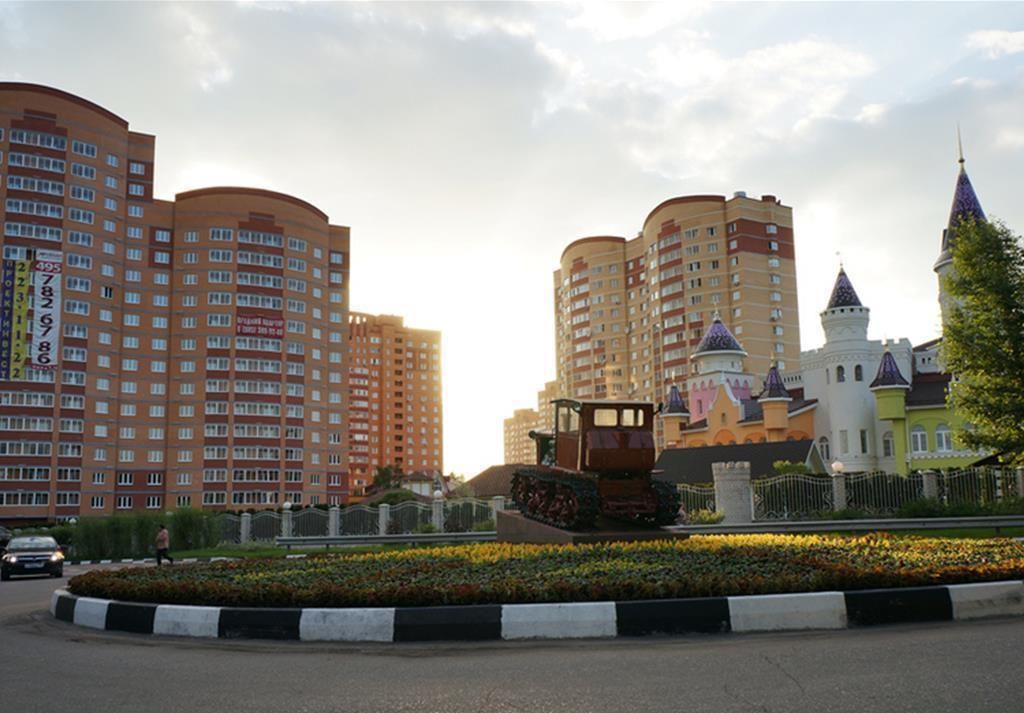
column 784, row 467
column 386, row 477
column 983, row 339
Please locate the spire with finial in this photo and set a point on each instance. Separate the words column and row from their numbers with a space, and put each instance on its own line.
column 965, row 205
column 718, row 338
column 843, row 294
column 889, row 375
column 675, row 406
column 773, row 386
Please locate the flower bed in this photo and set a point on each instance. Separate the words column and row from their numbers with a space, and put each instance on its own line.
column 504, row 573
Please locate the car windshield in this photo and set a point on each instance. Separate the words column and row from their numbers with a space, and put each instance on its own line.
column 22, row 544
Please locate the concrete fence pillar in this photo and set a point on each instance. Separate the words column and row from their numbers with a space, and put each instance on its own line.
column 437, row 514
column 497, row 505
column 930, row 485
column 838, row 491
column 286, row 523
column 1020, row 482
column 383, row 518
column 245, row 531
column 334, row 521
column 733, row 494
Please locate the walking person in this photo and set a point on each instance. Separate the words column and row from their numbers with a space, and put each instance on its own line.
column 163, row 541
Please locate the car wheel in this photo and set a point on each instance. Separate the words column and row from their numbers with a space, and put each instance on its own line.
column 58, row 573
column 5, row 575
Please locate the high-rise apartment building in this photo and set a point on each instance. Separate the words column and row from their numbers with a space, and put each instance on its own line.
column 628, row 313
column 153, row 353
column 519, row 447
column 396, row 413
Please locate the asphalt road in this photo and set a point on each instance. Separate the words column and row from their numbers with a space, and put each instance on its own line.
column 51, row 667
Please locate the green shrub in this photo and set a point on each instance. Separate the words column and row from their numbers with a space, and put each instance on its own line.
column 425, row 529
column 395, row 497
column 484, row 526
column 847, row 514
column 704, row 517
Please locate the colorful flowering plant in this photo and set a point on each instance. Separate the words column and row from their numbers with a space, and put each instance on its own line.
column 505, row 573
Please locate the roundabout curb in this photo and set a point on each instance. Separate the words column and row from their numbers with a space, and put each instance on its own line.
column 574, row 620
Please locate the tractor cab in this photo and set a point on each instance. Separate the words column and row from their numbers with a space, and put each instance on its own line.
column 604, row 436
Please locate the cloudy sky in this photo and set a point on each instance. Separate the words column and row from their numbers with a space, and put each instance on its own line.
column 467, row 144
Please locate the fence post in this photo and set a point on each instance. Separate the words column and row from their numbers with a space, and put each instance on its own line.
column 334, row 521
column 383, row 518
column 1020, row 482
column 245, row 531
column 497, row 505
column 930, row 485
column 733, row 494
column 838, row 491
column 286, row 522
column 437, row 514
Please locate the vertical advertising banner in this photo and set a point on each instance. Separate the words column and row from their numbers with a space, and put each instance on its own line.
column 6, row 317
column 19, row 319
column 46, row 309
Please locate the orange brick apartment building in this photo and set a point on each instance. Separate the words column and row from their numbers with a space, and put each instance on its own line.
column 190, row 352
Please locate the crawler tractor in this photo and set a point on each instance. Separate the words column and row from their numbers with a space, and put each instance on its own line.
column 598, row 461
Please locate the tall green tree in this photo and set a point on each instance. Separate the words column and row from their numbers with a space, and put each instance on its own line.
column 386, row 477
column 983, row 339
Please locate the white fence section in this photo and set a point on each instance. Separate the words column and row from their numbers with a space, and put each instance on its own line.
column 882, row 493
column 310, row 522
column 407, row 517
column 696, row 497
column 978, row 486
column 792, row 497
column 266, row 525
column 359, row 520
column 230, row 528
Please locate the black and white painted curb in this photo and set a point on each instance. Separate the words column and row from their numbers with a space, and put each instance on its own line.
column 152, row 560
column 771, row 612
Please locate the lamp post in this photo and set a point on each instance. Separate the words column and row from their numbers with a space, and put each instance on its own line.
column 838, row 467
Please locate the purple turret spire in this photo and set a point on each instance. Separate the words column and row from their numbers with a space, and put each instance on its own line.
column 773, row 386
column 843, row 294
column 676, row 406
column 718, row 338
column 965, row 205
column 889, row 374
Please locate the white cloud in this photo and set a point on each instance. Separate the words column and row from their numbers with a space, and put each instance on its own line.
column 609, row 21
column 996, row 43
column 871, row 113
column 202, row 49
column 1010, row 138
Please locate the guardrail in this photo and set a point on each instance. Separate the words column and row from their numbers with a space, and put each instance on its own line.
column 407, row 539
column 806, row 526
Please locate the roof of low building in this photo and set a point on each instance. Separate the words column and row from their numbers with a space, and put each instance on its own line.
column 693, row 465
column 928, row 390
column 754, row 411
column 773, row 386
column 888, row 373
column 496, row 480
column 676, row 405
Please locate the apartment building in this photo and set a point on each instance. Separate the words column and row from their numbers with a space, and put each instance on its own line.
column 396, row 415
column 519, row 447
column 628, row 313
column 156, row 354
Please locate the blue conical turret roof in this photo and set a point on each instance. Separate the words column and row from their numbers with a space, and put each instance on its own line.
column 965, row 205
column 889, row 374
column 843, row 294
column 676, row 406
column 718, row 338
column 773, row 386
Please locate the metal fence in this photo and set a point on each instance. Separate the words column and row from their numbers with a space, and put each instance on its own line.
column 310, row 522
column 266, row 525
column 977, row 486
column 468, row 514
column 696, row 497
column 882, row 493
column 407, row 517
column 359, row 520
column 230, row 528
column 792, row 497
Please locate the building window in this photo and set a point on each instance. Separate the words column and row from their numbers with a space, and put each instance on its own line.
column 840, row 374
column 863, row 441
column 844, row 443
column 918, row 440
column 943, row 439
column 858, row 373
column 888, row 445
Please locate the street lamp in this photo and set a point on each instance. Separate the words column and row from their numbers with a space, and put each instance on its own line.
column 287, row 505
column 837, row 468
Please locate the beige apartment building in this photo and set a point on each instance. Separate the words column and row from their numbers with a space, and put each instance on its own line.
column 628, row 313
column 519, row 447
column 396, row 415
column 157, row 354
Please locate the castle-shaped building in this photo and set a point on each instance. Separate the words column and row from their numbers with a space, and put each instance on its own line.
column 868, row 404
